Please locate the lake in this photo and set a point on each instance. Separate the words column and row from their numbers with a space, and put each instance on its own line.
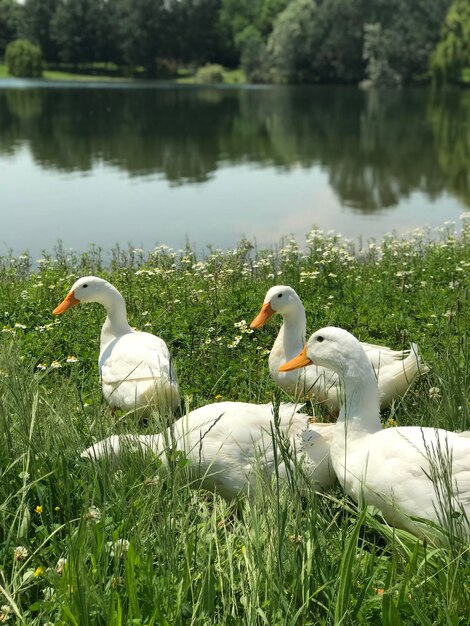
column 151, row 163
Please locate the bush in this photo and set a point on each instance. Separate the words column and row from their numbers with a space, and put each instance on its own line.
column 210, row 74
column 24, row 59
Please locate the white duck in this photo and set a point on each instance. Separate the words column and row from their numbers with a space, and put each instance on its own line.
column 226, row 441
column 135, row 367
column 407, row 471
column 395, row 369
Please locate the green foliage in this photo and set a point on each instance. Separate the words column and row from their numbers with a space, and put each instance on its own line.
column 408, row 34
column 378, row 69
column 78, row 28
column 24, row 59
column 10, row 20
column 210, row 74
column 290, row 44
column 252, row 54
column 384, row 42
column 317, row 42
column 37, row 26
column 141, row 546
column 452, row 54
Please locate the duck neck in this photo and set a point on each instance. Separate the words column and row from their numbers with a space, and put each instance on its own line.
column 293, row 330
column 360, row 408
column 116, row 323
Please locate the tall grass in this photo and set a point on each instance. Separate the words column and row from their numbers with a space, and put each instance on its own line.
column 143, row 547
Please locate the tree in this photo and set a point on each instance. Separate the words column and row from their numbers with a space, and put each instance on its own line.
column 10, row 17
column 36, row 26
column 409, row 33
column 289, row 46
column 24, row 59
column 378, row 70
column 79, row 28
column 143, row 32
column 452, row 53
column 317, row 42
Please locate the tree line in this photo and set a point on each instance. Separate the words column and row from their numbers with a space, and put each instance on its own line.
column 384, row 42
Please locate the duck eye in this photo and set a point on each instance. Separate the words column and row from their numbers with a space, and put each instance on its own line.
column 279, row 295
column 320, row 338
column 84, row 286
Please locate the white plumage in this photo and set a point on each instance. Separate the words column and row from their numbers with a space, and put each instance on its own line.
column 407, row 472
column 395, row 369
column 226, row 442
column 135, row 367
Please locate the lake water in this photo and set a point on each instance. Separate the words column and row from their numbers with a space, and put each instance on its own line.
column 148, row 163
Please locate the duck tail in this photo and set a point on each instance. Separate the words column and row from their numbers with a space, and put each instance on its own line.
column 114, row 445
column 412, row 365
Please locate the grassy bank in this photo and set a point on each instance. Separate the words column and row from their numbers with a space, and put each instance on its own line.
column 141, row 546
column 230, row 77
column 64, row 75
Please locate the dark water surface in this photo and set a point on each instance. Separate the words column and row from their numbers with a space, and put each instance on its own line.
column 150, row 163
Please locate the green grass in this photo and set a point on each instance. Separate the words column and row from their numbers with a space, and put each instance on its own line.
column 62, row 75
column 275, row 558
column 111, row 73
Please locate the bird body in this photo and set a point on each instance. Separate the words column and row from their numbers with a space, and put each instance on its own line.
column 407, row 472
column 395, row 369
column 226, row 442
column 135, row 367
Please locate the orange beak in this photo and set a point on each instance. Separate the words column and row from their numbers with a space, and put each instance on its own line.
column 266, row 312
column 301, row 360
column 67, row 303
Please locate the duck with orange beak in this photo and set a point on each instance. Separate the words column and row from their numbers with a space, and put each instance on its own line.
column 395, row 369
column 407, row 472
column 136, row 369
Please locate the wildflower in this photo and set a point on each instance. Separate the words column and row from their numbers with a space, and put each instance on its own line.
column 59, row 568
column 118, row 548
column 434, row 393
column 148, row 482
column 380, row 591
column 71, row 359
column 38, row 571
column 38, row 509
column 94, row 514
column 56, row 508
column 4, row 613
column 55, row 365
column 18, row 325
column 48, row 592
column 41, row 366
column 218, row 396
column 391, row 423
column 235, row 342
column 20, row 553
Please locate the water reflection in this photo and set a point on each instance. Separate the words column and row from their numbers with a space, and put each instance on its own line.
column 377, row 147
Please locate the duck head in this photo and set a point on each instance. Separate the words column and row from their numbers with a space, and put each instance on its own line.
column 330, row 347
column 279, row 299
column 85, row 289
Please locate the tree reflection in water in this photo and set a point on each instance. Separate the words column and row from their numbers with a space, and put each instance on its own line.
column 376, row 146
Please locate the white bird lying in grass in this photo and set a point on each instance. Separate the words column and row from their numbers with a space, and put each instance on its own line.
column 395, row 369
column 226, row 441
column 135, row 367
column 407, row 472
